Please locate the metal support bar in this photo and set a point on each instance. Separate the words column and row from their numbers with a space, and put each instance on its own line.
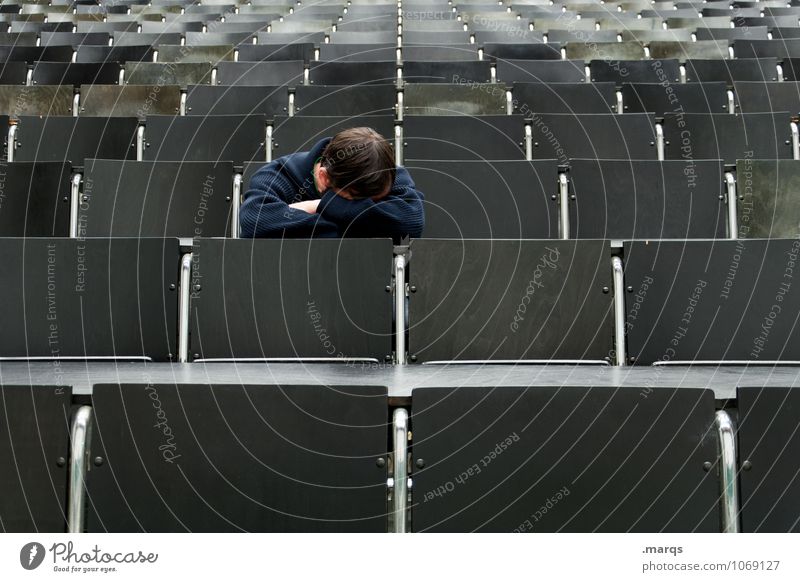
column 182, row 109
column 290, row 110
column 12, row 141
column 660, row 141
column 795, row 140
column 400, row 473
column 528, row 142
column 81, row 438
column 236, row 204
column 140, row 143
column 731, row 103
column 76, row 104
column 619, row 311
column 509, row 103
column 400, row 309
column 400, row 106
column 733, row 226
column 620, row 105
column 398, row 144
column 563, row 199
column 268, row 142
column 728, row 485
column 74, row 204
column 183, row 308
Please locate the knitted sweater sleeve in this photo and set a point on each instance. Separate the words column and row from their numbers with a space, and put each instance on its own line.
column 398, row 215
column 265, row 212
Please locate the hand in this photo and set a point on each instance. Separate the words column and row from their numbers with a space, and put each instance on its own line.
column 309, row 206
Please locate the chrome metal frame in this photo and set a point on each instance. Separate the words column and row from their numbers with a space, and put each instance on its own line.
column 619, row 311
column 727, row 363
column 660, row 143
column 140, row 143
column 74, row 204
column 182, row 107
column 528, row 142
column 236, row 203
column 795, row 140
column 728, row 474
column 81, row 438
column 12, row 141
column 76, row 104
column 398, row 144
column 515, row 362
column 620, row 104
column 733, row 219
column 731, row 103
column 183, row 308
column 563, row 200
column 285, row 360
column 400, row 309
column 400, row 470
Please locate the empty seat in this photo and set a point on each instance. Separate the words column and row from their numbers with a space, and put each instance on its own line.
column 485, row 137
column 34, row 499
column 563, row 458
column 784, row 33
column 753, row 97
column 511, row 35
column 551, row 51
column 768, row 440
column 435, row 38
column 357, row 52
column 728, row 34
column 755, row 49
column 456, row 52
column 181, row 74
column 376, row 37
column 349, row 73
column 635, row 71
column 284, row 38
column 564, row 97
column 211, row 38
column 613, row 51
column 689, row 98
column 121, row 54
column 141, row 199
column 596, row 136
column 75, row 38
column 264, row 73
column 94, row 298
column 447, row 72
column 728, row 137
column 710, row 301
column 509, row 300
column 217, row 100
column 74, row 138
column 595, row 36
column 139, row 39
column 168, row 53
column 171, row 26
column 732, row 70
column 649, row 36
column 702, row 49
column 75, row 73
column 129, row 100
column 13, row 73
column 444, row 99
column 301, row 132
column 274, row 52
column 622, row 199
column 60, row 54
column 344, row 100
column 18, row 100
column 475, row 198
column 767, row 206
column 540, row 71
column 36, row 199
column 316, row 469
column 237, row 138
column 233, row 314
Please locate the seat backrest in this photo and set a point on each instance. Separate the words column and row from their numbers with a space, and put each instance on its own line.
column 448, row 137
column 300, row 132
column 274, row 73
column 454, row 99
column 575, row 98
column 58, row 139
column 339, row 100
column 37, row 201
column 231, row 100
column 691, row 97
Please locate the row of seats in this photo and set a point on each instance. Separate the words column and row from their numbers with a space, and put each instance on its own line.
column 340, row 72
column 463, row 98
column 680, row 301
column 499, row 460
column 256, row 138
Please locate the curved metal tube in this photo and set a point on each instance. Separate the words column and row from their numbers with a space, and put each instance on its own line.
column 183, row 308
column 400, row 309
column 733, row 219
column 619, row 311
column 728, row 484
column 400, row 473
column 81, row 438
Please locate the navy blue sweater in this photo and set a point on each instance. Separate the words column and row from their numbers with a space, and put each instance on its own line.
column 266, row 212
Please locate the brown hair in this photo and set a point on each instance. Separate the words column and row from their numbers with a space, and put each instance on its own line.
column 361, row 161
